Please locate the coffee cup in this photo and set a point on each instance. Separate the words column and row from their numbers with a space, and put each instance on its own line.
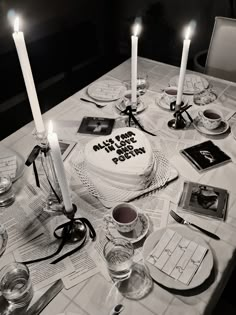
column 170, row 95
column 210, row 118
column 124, row 217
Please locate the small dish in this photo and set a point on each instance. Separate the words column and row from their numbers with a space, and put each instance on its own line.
column 190, row 83
column 140, row 230
column 223, row 127
column 200, row 276
column 121, row 106
column 160, row 101
column 106, row 90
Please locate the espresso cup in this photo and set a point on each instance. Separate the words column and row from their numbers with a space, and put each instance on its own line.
column 170, row 95
column 210, row 118
column 124, row 217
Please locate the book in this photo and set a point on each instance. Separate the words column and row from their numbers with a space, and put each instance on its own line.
column 205, row 155
column 66, row 146
column 96, row 125
column 204, row 200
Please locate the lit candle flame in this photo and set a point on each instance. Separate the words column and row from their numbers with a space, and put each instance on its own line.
column 136, row 29
column 50, row 127
column 16, row 24
column 188, row 32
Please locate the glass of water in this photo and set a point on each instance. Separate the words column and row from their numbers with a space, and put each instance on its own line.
column 118, row 254
column 15, row 284
column 142, row 83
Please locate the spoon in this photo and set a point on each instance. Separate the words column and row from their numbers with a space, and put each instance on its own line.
column 89, row 101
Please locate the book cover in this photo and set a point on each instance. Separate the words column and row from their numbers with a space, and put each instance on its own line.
column 96, row 125
column 204, row 200
column 205, row 155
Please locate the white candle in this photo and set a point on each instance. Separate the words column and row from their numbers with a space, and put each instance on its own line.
column 28, row 77
column 59, row 168
column 183, row 67
column 134, row 57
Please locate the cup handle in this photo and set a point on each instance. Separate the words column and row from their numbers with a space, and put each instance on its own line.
column 200, row 114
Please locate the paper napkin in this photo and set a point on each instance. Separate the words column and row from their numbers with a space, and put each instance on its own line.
column 177, row 256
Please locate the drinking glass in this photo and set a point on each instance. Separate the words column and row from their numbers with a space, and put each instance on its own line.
column 203, row 96
column 118, row 254
column 15, row 284
column 7, row 196
column 142, row 83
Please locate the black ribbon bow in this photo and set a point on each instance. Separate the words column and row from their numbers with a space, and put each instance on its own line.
column 129, row 111
column 65, row 236
column 31, row 159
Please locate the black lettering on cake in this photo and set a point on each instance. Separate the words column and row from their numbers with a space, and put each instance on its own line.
column 133, row 140
column 111, row 148
column 132, row 152
column 117, row 145
column 115, row 160
column 96, row 148
column 111, row 141
column 130, row 133
column 121, row 158
column 119, row 151
column 107, row 150
column 127, row 155
column 101, row 146
column 142, row 150
column 130, row 147
column 117, row 138
column 122, row 143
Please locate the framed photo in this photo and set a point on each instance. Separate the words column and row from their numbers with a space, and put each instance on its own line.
column 205, row 155
column 66, row 147
column 96, row 125
column 204, row 200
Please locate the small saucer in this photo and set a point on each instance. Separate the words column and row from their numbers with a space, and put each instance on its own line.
column 160, row 101
column 140, row 230
column 121, row 106
column 223, row 127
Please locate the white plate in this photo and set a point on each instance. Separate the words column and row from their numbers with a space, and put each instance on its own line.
column 106, row 90
column 4, row 151
column 190, row 81
column 120, row 105
column 140, row 230
column 160, row 101
column 224, row 125
column 202, row 273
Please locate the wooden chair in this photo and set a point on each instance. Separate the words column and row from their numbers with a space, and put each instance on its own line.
column 221, row 57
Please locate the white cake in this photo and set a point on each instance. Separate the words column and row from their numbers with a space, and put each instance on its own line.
column 123, row 159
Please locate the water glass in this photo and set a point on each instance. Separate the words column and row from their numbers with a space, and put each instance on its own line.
column 142, row 83
column 15, row 284
column 202, row 96
column 118, row 254
column 7, row 196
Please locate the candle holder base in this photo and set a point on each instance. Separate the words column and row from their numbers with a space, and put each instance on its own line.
column 175, row 124
column 77, row 230
column 179, row 122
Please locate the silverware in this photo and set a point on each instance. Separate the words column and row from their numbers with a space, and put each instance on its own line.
column 117, row 309
column 182, row 221
column 92, row 102
column 43, row 301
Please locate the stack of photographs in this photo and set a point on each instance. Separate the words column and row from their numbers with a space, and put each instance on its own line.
column 204, row 200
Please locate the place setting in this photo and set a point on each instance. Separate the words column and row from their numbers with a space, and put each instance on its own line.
column 126, row 221
column 210, row 122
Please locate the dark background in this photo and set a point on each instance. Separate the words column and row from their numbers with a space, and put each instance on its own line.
column 72, row 42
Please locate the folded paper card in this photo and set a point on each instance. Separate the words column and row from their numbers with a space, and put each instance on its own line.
column 177, row 256
column 8, row 166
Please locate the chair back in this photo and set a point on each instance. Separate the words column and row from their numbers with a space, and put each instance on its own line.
column 221, row 57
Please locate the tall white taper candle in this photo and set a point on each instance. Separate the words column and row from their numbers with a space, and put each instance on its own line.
column 28, row 77
column 183, row 67
column 134, row 58
column 59, row 168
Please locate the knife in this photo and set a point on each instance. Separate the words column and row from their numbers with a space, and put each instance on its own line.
column 182, row 221
column 44, row 300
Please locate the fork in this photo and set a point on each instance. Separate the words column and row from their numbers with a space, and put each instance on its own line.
column 182, row 221
column 89, row 101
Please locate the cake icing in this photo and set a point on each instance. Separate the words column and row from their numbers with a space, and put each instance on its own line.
column 123, row 159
